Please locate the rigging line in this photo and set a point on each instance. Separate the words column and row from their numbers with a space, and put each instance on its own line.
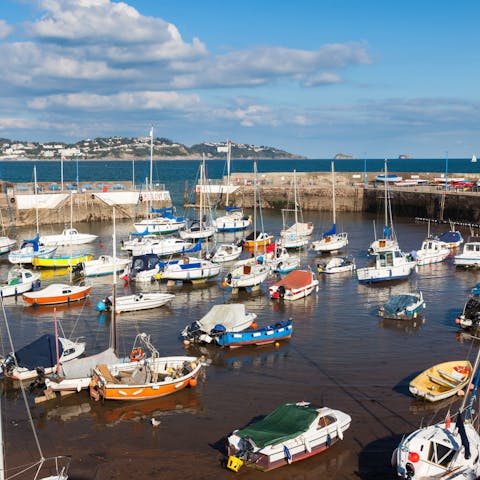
column 22, row 387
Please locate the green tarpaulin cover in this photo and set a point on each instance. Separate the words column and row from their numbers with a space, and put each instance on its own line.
column 287, row 421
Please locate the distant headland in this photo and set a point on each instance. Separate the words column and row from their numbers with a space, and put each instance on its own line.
column 122, row 148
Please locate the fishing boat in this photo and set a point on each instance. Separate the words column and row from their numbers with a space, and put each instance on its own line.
column 69, row 236
column 45, row 353
column 452, row 237
column 403, row 306
column 295, row 235
column 234, row 219
column 469, row 319
column 331, row 240
column 147, row 376
column 226, row 252
column 389, row 265
column 297, row 284
column 135, row 302
column 337, row 265
column 19, row 280
column 104, row 265
column 442, row 380
column 53, row 468
column 292, row 432
column 254, row 335
column 201, row 227
column 28, row 250
column 470, row 256
column 60, row 261
column 230, row 317
column 432, row 251
column 444, row 450
column 56, row 293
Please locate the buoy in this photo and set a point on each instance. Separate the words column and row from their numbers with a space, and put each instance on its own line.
column 224, row 284
column 277, row 344
column 254, row 325
column 186, row 342
column 192, row 382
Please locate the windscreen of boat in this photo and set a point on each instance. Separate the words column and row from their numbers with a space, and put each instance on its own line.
column 440, row 454
column 286, row 422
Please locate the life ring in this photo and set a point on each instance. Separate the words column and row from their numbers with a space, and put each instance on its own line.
column 462, row 369
column 140, row 198
column 12, row 200
column 136, row 355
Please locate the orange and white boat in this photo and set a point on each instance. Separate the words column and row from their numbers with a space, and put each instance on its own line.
column 57, row 293
column 257, row 240
column 145, row 376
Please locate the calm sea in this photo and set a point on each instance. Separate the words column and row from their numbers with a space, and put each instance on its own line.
column 341, row 354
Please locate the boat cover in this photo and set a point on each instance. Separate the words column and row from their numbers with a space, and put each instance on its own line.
column 398, row 303
column 231, row 316
column 450, row 236
column 287, row 421
column 33, row 241
column 332, row 231
column 40, row 353
column 296, row 279
column 83, row 367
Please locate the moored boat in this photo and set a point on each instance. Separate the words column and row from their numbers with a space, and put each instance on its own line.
column 104, row 265
column 69, row 236
column 28, row 250
column 470, row 256
column 442, row 380
column 19, row 280
column 297, row 284
column 60, row 261
column 292, row 432
column 135, row 302
column 469, row 319
column 255, row 336
column 432, row 251
column 226, row 252
column 403, row 306
column 57, row 293
column 337, row 265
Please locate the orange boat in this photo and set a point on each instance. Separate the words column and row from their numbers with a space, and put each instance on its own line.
column 257, row 240
column 57, row 293
column 144, row 378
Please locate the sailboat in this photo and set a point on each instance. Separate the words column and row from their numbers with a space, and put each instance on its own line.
column 445, row 450
column 234, row 219
column 296, row 235
column 474, row 159
column 57, row 467
column 250, row 273
column 389, row 239
column 331, row 241
column 165, row 220
column 203, row 227
column 6, row 243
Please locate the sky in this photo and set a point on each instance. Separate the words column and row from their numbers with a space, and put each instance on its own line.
column 372, row 79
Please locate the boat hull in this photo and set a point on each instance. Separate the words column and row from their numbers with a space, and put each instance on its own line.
column 262, row 336
column 37, row 298
column 60, row 262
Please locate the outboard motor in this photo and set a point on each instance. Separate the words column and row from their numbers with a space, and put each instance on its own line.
column 8, row 364
column 281, row 291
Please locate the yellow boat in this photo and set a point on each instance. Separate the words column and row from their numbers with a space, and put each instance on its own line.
column 61, row 261
column 442, row 381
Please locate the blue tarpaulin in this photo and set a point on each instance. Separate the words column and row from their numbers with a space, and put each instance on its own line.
column 332, row 231
column 40, row 353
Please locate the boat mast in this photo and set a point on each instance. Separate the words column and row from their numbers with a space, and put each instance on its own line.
column 35, row 192
column 386, row 193
column 151, row 158
column 202, row 173
column 255, row 209
column 295, row 199
column 333, row 194
column 113, row 328
column 229, row 153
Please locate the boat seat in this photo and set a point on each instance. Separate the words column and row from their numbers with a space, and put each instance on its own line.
column 105, row 372
column 441, row 381
column 450, row 377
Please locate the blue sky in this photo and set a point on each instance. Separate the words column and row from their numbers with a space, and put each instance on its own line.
column 313, row 77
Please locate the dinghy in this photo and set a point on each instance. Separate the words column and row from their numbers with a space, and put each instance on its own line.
column 337, row 265
column 442, row 380
column 297, row 284
column 292, row 432
column 135, row 302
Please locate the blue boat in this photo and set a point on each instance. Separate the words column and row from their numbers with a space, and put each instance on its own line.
column 256, row 336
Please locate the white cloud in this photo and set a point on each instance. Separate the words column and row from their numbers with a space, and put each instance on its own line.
column 5, row 29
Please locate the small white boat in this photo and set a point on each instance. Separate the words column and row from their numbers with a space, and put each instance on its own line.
column 69, row 236
column 138, row 301
column 292, row 432
column 234, row 220
column 165, row 223
column 6, row 244
column 470, row 256
column 19, row 280
column 28, row 250
column 189, row 269
column 230, row 317
column 23, row 364
column 104, row 265
column 474, row 159
column 403, row 306
column 432, row 251
column 57, row 293
column 297, row 284
column 248, row 275
column 142, row 268
column 286, row 265
column 226, row 252
column 161, row 246
column 337, row 265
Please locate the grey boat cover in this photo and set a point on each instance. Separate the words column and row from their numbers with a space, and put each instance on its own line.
column 286, row 422
column 232, row 316
column 83, row 367
column 397, row 304
column 40, row 353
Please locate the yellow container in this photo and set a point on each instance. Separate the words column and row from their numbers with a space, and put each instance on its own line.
column 234, row 463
